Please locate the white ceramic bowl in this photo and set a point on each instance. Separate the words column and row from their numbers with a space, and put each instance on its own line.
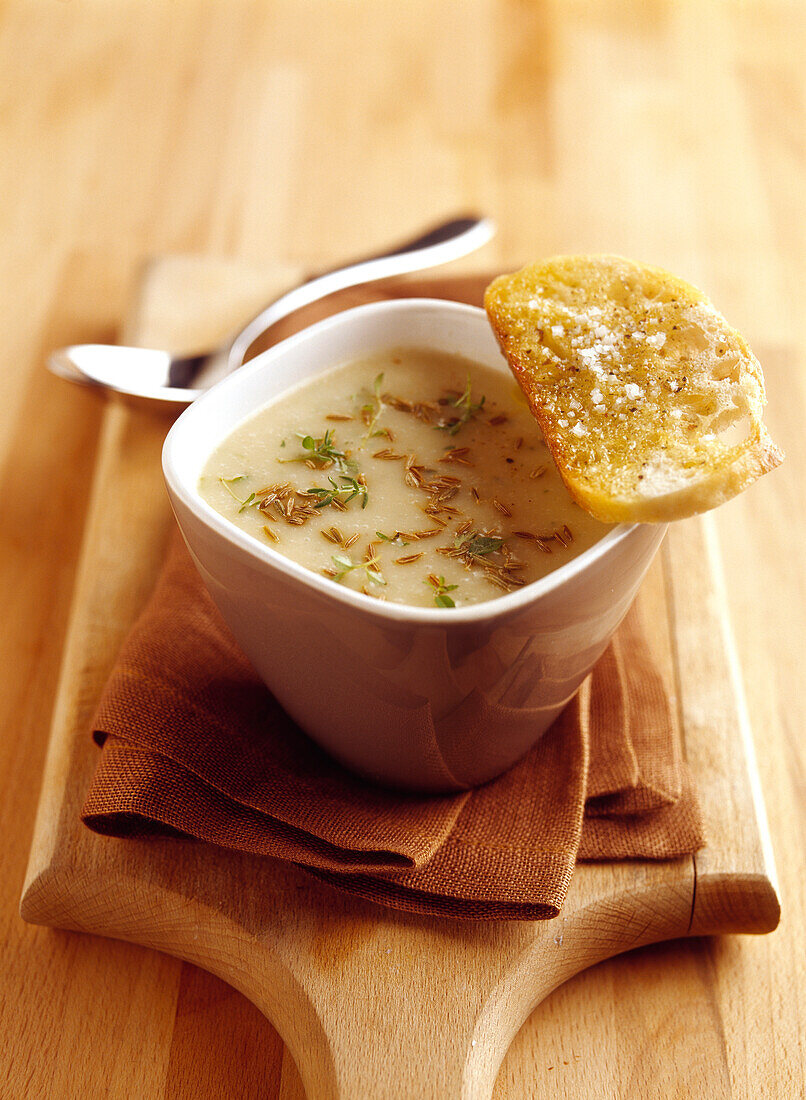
column 428, row 699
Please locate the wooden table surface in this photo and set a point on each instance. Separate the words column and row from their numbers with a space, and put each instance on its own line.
column 308, row 131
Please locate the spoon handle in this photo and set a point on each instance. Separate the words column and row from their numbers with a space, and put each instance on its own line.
column 444, row 242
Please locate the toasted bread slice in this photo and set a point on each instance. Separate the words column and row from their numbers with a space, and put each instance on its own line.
column 649, row 402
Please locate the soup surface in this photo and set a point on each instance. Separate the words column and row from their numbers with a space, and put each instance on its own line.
column 412, row 476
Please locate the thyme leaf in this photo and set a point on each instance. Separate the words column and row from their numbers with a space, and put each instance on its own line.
column 441, row 590
column 467, row 410
column 371, row 411
column 345, row 565
column 324, row 452
column 478, row 546
column 352, row 488
column 228, row 482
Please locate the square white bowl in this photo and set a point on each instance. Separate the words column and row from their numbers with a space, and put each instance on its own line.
column 421, row 698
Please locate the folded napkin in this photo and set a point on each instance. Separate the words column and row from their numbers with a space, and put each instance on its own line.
column 194, row 745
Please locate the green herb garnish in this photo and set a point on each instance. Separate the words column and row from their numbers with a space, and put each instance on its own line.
column 371, row 411
column 228, row 482
column 478, row 546
column 324, row 453
column 352, row 488
column 468, row 409
column 324, row 449
column 344, row 565
column 441, row 590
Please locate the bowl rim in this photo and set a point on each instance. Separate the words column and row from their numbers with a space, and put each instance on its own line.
column 488, row 609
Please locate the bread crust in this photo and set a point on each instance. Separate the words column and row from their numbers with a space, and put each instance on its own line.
column 637, row 383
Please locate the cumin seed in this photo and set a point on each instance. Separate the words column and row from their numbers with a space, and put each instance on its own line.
column 539, row 542
column 270, row 533
column 407, row 559
column 414, row 536
column 502, row 508
column 396, row 403
column 537, row 472
column 444, row 495
column 351, row 541
column 424, row 410
column 457, row 455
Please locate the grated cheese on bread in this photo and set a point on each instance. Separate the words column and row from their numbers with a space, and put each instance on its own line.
column 649, row 402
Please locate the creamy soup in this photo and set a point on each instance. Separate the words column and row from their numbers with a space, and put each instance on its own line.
column 412, row 476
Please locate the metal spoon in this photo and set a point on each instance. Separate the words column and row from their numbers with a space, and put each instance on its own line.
column 176, row 379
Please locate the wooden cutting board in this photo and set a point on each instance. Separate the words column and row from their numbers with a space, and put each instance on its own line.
column 372, row 1003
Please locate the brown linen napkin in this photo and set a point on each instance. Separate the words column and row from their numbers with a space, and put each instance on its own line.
column 195, row 746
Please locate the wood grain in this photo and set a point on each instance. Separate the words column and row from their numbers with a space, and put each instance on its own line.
column 670, row 131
